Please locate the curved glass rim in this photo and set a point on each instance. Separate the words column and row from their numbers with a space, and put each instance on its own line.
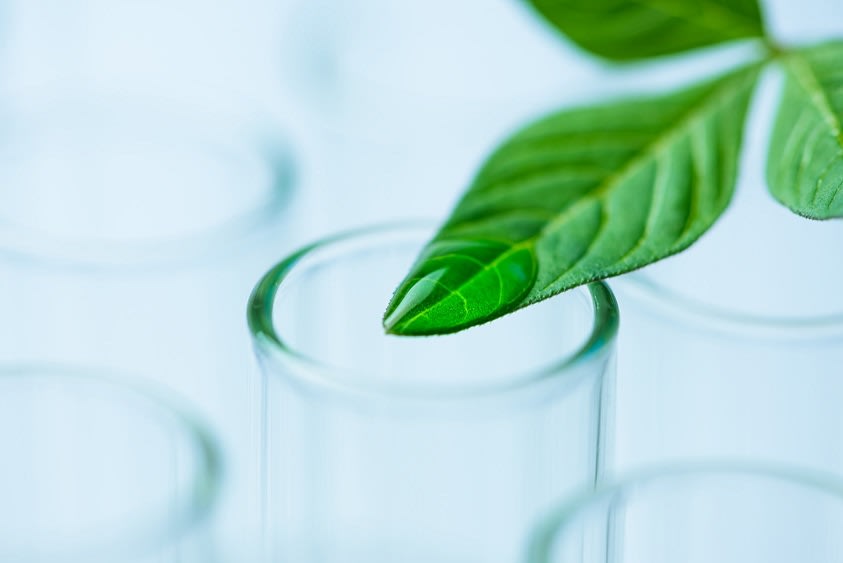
column 261, row 305
column 559, row 520
column 669, row 303
column 205, row 483
column 269, row 144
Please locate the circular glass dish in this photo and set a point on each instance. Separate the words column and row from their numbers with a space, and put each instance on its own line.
column 122, row 182
column 96, row 468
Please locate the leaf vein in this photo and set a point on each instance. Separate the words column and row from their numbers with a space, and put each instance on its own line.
column 806, row 77
column 540, row 215
column 585, row 253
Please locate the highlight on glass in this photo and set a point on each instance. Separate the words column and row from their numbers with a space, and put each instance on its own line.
column 98, row 469
column 718, row 512
column 385, row 448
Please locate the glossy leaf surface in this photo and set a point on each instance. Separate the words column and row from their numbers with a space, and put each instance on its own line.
column 625, row 30
column 805, row 162
column 579, row 196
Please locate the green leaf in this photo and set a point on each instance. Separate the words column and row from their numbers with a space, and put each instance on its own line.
column 805, row 162
column 625, row 30
column 579, row 196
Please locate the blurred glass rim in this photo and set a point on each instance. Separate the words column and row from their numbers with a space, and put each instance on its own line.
column 675, row 307
column 205, row 483
column 205, row 128
column 348, row 384
column 678, row 477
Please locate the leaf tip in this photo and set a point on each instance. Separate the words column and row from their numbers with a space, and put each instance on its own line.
column 393, row 321
column 415, row 295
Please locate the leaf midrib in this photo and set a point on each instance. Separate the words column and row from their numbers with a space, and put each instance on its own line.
column 805, row 76
column 722, row 91
column 657, row 146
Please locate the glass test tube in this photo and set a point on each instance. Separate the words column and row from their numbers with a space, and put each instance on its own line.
column 131, row 232
column 729, row 514
column 383, row 448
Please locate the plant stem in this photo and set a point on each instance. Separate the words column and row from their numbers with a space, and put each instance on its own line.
column 774, row 48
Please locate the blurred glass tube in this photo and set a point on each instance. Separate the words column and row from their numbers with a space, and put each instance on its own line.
column 135, row 184
column 696, row 382
column 724, row 513
column 142, row 189
column 131, row 233
column 442, row 449
column 98, row 469
column 734, row 348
